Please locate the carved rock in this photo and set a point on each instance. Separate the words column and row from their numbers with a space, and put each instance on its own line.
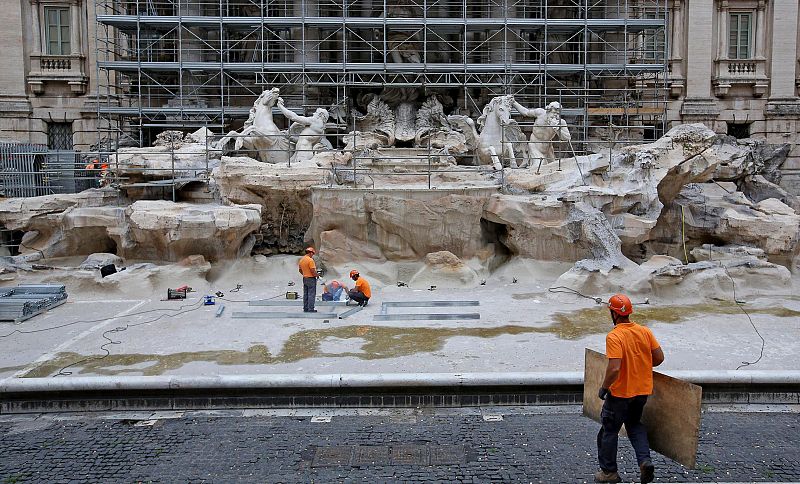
column 162, row 230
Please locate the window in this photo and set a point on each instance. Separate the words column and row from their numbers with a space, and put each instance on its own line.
column 739, row 35
column 739, row 130
column 652, row 42
column 59, row 136
column 57, row 30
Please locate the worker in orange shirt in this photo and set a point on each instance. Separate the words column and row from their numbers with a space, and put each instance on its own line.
column 309, row 271
column 361, row 292
column 632, row 352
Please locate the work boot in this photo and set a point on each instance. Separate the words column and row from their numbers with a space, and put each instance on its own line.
column 603, row 476
column 648, row 471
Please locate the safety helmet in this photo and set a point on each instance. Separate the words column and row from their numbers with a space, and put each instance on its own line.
column 620, row 304
column 353, row 273
column 311, row 250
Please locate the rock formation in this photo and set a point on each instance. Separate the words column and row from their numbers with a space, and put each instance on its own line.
column 692, row 211
column 91, row 222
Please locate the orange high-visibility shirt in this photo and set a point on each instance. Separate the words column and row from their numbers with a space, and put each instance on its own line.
column 363, row 286
column 634, row 344
column 307, row 266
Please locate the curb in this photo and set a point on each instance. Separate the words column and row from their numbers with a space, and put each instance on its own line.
column 368, row 380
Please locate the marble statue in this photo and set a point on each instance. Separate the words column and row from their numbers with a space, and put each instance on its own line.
column 548, row 127
column 309, row 131
column 500, row 137
column 260, row 137
column 376, row 129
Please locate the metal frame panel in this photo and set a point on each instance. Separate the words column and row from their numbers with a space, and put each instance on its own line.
column 172, row 64
column 426, row 317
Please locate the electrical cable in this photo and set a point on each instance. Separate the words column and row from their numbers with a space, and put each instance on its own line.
column 104, row 347
column 42, row 330
column 739, row 304
column 569, row 290
column 683, row 236
column 736, row 301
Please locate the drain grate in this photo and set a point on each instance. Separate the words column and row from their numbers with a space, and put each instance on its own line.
column 395, row 455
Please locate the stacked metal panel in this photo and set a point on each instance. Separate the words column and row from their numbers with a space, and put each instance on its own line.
column 26, row 301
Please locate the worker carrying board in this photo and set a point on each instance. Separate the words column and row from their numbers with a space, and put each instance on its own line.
column 308, row 269
column 632, row 352
column 361, row 292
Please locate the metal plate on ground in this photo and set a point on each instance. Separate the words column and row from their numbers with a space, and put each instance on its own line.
column 293, row 302
column 338, row 455
column 409, row 455
column 350, row 312
column 263, row 315
column 426, row 317
column 428, row 304
column 376, row 455
column 672, row 414
column 394, row 455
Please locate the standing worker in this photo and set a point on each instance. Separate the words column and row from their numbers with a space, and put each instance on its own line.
column 362, row 292
column 309, row 271
column 632, row 352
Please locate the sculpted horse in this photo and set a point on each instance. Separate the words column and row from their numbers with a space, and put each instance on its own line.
column 500, row 137
column 260, row 136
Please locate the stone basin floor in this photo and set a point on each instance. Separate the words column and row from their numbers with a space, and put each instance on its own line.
column 125, row 328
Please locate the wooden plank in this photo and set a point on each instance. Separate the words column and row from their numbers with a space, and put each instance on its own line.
column 624, row 111
column 672, row 414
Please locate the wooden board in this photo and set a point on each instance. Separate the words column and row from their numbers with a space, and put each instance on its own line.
column 672, row 413
column 624, row 111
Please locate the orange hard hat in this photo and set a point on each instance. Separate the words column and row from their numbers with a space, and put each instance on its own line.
column 311, row 249
column 620, row 304
column 354, row 273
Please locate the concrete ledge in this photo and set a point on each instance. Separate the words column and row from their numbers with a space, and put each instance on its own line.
column 366, row 380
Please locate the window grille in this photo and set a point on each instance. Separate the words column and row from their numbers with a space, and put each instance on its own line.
column 59, row 136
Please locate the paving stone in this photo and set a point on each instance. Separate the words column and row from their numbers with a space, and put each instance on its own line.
column 523, row 447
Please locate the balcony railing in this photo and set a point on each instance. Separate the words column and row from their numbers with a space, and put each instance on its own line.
column 58, row 68
column 729, row 72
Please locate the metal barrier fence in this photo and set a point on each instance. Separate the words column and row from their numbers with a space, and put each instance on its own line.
column 28, row 170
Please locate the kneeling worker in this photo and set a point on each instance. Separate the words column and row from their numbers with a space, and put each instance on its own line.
column 309, row 271
column 361, row 293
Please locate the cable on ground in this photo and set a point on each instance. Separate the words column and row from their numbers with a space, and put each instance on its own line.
column 87, row 321
column 569, row 290
column 740, row 305
column 104, row 347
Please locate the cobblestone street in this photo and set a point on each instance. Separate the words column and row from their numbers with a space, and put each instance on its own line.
column 526, row 444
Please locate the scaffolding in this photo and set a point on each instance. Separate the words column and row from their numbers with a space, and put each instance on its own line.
column 182, row 64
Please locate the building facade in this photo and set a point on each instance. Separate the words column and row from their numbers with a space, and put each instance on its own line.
column 76, row 71
column 48, row 93
column 734, row 66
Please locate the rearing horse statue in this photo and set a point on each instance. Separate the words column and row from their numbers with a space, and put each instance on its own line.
column 498, row 134
column 260, row 134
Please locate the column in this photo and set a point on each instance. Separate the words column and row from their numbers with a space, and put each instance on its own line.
column 676, row 49
column 699, row 60
column 497, row 54
column 36, row 27
column 784, row 49
column 761, row 34
column 75, row 29
column 722, row 29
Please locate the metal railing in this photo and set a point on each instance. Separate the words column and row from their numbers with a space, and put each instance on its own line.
column 353, row 161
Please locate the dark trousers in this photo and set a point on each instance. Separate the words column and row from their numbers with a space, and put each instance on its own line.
column 358, row 297
column 309, row 292
column 618, row 411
